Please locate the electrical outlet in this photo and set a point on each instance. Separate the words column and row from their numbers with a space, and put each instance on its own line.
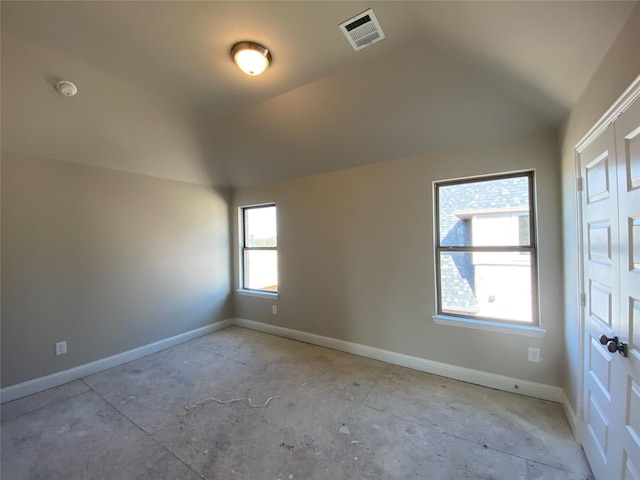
column 534, row 355
column 274, row 309
column 61, row 348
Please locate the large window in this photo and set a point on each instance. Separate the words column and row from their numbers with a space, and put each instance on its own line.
column 259, row 248
column 486, row 248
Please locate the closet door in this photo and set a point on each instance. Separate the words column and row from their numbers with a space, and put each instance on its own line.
column 601, row 284
column 610, row 168
column 627, row 381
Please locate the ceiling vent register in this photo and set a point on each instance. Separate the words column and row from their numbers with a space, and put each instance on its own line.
column 362, row 30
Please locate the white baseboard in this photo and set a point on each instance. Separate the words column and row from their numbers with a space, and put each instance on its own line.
column 36, row 385
column 574, row 422
column 478, row 377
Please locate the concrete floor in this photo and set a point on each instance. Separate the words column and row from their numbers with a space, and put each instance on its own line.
column 338, row 416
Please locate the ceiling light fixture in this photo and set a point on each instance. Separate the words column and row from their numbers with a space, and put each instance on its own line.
column 251, row 57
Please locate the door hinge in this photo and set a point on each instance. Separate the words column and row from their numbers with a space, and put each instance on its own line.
column 581, row 413
column 583, row 300
column 579, row 184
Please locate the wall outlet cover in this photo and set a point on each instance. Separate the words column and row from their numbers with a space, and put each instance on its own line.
column 61, row 348
column 534, row 355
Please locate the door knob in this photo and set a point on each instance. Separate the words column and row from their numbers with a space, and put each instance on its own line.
column 604, row 339
column 613, row 345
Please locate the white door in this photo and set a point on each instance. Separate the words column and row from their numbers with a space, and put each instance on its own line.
column 610, row 168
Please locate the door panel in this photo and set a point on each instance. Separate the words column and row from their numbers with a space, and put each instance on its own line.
column 598, row 427
column 597, row 175
column 630, row 468
column 627, row 381
column 634, row 244
column 600, row 303
column 633, row 410
column 599, row 242
column 634, row 315
column 600, row 367
column 610, row 166
column 601, row 270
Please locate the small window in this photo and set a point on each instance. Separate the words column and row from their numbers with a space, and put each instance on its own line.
column 485, row 248
column 259, row 248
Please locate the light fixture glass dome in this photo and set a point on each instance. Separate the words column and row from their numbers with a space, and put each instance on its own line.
column 251, row 57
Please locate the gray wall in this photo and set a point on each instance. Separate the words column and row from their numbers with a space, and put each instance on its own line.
column 106, row 260
column 356, row 258
column 616, row 72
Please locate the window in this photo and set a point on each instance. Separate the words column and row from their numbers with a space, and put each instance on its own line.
column 485, row 248
column 259, row 248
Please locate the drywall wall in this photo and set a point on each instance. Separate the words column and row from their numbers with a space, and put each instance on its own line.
column 110, row 123
column 619, row 68
column 106, row 260
column 356, row 258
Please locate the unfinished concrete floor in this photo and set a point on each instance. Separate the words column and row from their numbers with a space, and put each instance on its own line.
column 336, row 416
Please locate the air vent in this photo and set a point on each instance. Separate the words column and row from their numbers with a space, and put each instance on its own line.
column 362, row 30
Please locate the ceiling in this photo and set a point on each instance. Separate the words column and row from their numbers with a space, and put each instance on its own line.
column 159, row 95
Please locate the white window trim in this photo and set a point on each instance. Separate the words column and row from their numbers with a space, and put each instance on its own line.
column 257, row 293
column 464, row 214
column 497, row 327
column 241, row 290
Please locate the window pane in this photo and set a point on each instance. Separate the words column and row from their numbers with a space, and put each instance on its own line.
column 260, row 227
column 261, row 270
column 485, row 213
column 523, row 221
column 491, row 285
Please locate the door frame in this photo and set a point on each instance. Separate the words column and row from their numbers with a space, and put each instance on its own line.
column 619, row 106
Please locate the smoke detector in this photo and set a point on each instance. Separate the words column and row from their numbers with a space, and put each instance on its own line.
column 362, row 30
column 66, row 88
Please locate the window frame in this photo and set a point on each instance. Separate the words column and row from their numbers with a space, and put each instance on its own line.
column 244, row 248
column 531, row 249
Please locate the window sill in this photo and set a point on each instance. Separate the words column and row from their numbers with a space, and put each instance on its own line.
column 490, row 326
column 257, row 293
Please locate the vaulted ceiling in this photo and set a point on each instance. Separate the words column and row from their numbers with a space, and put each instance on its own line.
column 159, row 94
